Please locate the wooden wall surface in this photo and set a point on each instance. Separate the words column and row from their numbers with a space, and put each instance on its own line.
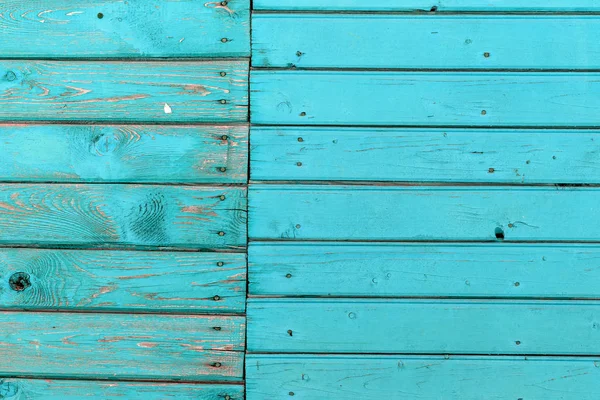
column 423, row 200
column 124, row 165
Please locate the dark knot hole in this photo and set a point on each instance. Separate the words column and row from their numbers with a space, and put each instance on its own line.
column 19, row 281
column 499, row 234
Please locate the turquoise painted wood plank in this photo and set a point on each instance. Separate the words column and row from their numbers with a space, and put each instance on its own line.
column 423, row 326
column 451, row 41
column 122, row 346
column 35, row 279
column 315, row 212
column 433, row 378
column 122, row 215
column 104, row 28
column 425, row 155
column 425, row 98
column 125, row 153
column 422, row 5
column 48, row 389
column 433, row 270
column 116, row 91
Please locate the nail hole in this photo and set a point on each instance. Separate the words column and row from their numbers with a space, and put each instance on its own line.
column 486, row 55
column 299, row 164
column 223, row 101
column 217, row 298
column 227, row 397
column 217, row 365
column 517, row 284
column 217, row 328
column 303, row 114
column 221, row 197
column 100, row 15
column 223, row 74
column 511, row 226
column 298, row 226
column 220, row 264
column 224, row 137
column 518, row 342
column 433, row 9
column 300, row 139
column 299, row 53
column 499, row 234
column 223, row 3
column 221, row 233
column 222, row 169
column 483, row 112
column 291, row 393
column 289, row 332
column 19, row 281
column 491, row 170
column 288, row 276
column 224, row 40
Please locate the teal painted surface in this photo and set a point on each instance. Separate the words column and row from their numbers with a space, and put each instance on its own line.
column 122, row 281
column 425, row 155
column 424, row 99
column 103, row 28
column 432, row 378
column 423, row 5
column 125, row 153
column 47, row 389
column 316, row 212
column 116, row 91
column 432, row 270
column 451, row 41
column 122, row 215
column 425, row 326
column 121, row 346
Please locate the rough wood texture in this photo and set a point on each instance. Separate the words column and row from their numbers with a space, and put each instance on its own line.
column 121, row 346
column 399, row 41
column 122, row 215
column 432, row 270
column 122, row 280
column 431, row 378
column 425, row 98
column 104, row 28
column 117, row 91
column 423, row 327
column 425, row 5
column 312, row 212
column 127, row 153
column 49, row 389
column 425, row 155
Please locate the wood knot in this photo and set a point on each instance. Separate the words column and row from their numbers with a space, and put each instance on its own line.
column 19, row 281
column 10, row 76
column 8, row 389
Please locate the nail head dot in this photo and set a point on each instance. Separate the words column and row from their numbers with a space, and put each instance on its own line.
column 223, row 73
column 222, row 169
column 299, row 164
column 302, row 114
column 288, row 276
column 217, row 298
column 483, row 112
column 298, row 226
column 224, row 40
column 220, row 264
column 221, row 233
column 223, row 101
column 300, row 139
column 486, row 55
column 100, row 15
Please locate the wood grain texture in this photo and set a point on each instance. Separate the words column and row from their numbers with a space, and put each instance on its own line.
column 433, row 270
column 423, row 326
column 425, row 155
column 104, row 28
column 121, row 346
column 425, row 98
column 126, row 153
column 49, row 389
column 122, row 215
column 315, row 212
column 432, row 378
column 122, row 280
column 115, row 91
column 451, row 41
column 423, row 5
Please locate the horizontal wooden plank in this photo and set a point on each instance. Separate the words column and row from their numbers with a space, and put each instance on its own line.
column 433, row 270
column 116, row 91
column 422, row 5
column 121, row 346
column 126, row 153
column 314, row 212
column 425, row 98
column 433, row 378
column 452, row 41
column 104, row 28
column 122, row 280
column 48, row 389
column 122, row 215
column 425, row 155
column 423, row 326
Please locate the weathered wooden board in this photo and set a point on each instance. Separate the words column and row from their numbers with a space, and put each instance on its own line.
column 49, row 389
column 423, row 326
column 104, row 28
column 121, row 346
column 122, row 280
column 126, row 153
column 314, row 212
column 122, row 215
column 425, row 155
column 423, row 5
column 433, row 378
column 116, row 91
column 433, row 270
column 451, row 41
column 425, row 98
